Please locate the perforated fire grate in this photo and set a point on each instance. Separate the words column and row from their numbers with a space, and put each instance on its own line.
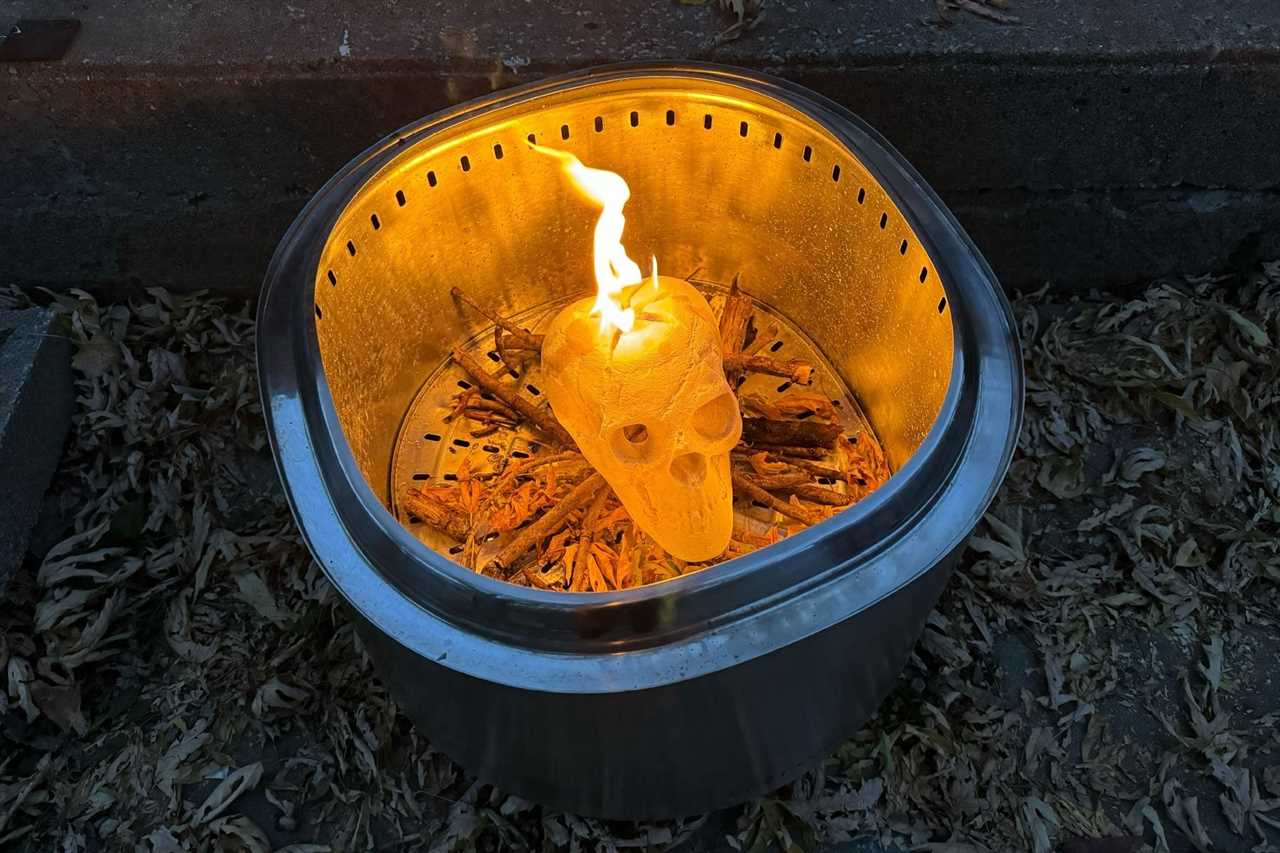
column 433, row 445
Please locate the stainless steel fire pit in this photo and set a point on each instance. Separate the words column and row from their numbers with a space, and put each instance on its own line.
column 701, row 691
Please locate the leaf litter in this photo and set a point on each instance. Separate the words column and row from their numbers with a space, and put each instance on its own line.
column 1100, row 675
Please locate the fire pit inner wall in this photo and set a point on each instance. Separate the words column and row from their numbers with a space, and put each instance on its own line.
column 725, row 181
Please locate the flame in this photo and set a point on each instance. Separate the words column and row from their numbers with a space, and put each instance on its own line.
column 614, row 270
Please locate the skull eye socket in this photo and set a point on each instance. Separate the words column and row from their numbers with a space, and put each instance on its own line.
column 715, row 419
column 632, row 443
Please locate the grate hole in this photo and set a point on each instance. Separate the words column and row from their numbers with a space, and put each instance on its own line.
column 884, row 220
column 599, row 124
column 533, row 138
column 742, row 129
column 452, row 478
column 319, row 313
column 493, row 355
column 461, row 442
column 534, row 447
column 853, row 439
column 519, row 454
column 489, row 448
column 351, row 248
column 490, row 537
column 422, row 475
column 635, row 119
column 775, row 346
column 497, row 151
column 431, row 178
column 333, row 279
column 464, row 385
column 533, row 389
column 374, row 221
column 671, row 117
column 706, row 121
column 784, row 386
column 757, row 503
column 862, row 195
column 836, row 403
column 564, row 131
column 400, row 197
column 808, row 153
column 777, row 140
column 835, row 173
column 902, row 250
column 466, row 163
column 804, row 416
column 431, row 436
column 456, row 549
column 924, row 273
column 826, row 481
column 942, row 304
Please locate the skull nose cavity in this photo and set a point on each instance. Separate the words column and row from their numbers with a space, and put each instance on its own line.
column 714, row 419
column 689, row 469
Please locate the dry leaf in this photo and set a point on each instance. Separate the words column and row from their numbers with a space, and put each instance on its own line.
column 228, row 790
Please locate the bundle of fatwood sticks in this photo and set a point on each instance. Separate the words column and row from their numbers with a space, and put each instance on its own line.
column 557, row 523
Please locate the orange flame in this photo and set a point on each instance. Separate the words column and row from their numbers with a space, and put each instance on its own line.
column 614, row 270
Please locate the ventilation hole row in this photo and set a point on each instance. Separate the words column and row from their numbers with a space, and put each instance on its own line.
column 707, row 123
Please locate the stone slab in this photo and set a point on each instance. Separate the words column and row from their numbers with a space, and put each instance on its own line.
column 175, row 141
column 36, row 399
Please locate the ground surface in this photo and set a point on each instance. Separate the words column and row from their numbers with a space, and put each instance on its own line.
column 1104, row 664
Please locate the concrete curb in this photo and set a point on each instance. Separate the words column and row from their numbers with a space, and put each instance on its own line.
column 36, row 399
column 1099, row 144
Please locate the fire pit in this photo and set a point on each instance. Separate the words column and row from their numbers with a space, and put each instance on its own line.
column 675, row 697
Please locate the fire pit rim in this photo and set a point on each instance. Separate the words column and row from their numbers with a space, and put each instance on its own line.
column 469, row 615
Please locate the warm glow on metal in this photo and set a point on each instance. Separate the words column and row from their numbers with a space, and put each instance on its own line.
column 614, row 270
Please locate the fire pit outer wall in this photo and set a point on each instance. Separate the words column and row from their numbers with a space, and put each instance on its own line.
column 717, row 686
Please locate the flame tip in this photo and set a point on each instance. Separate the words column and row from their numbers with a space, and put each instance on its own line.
column 614, row 270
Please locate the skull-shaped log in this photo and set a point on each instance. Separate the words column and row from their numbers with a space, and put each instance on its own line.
column 651, row 410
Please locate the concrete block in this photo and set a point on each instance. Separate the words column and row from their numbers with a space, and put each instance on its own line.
column 36, row 398
column 178, row 151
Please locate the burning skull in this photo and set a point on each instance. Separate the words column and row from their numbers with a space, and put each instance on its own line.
column 651, row 410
